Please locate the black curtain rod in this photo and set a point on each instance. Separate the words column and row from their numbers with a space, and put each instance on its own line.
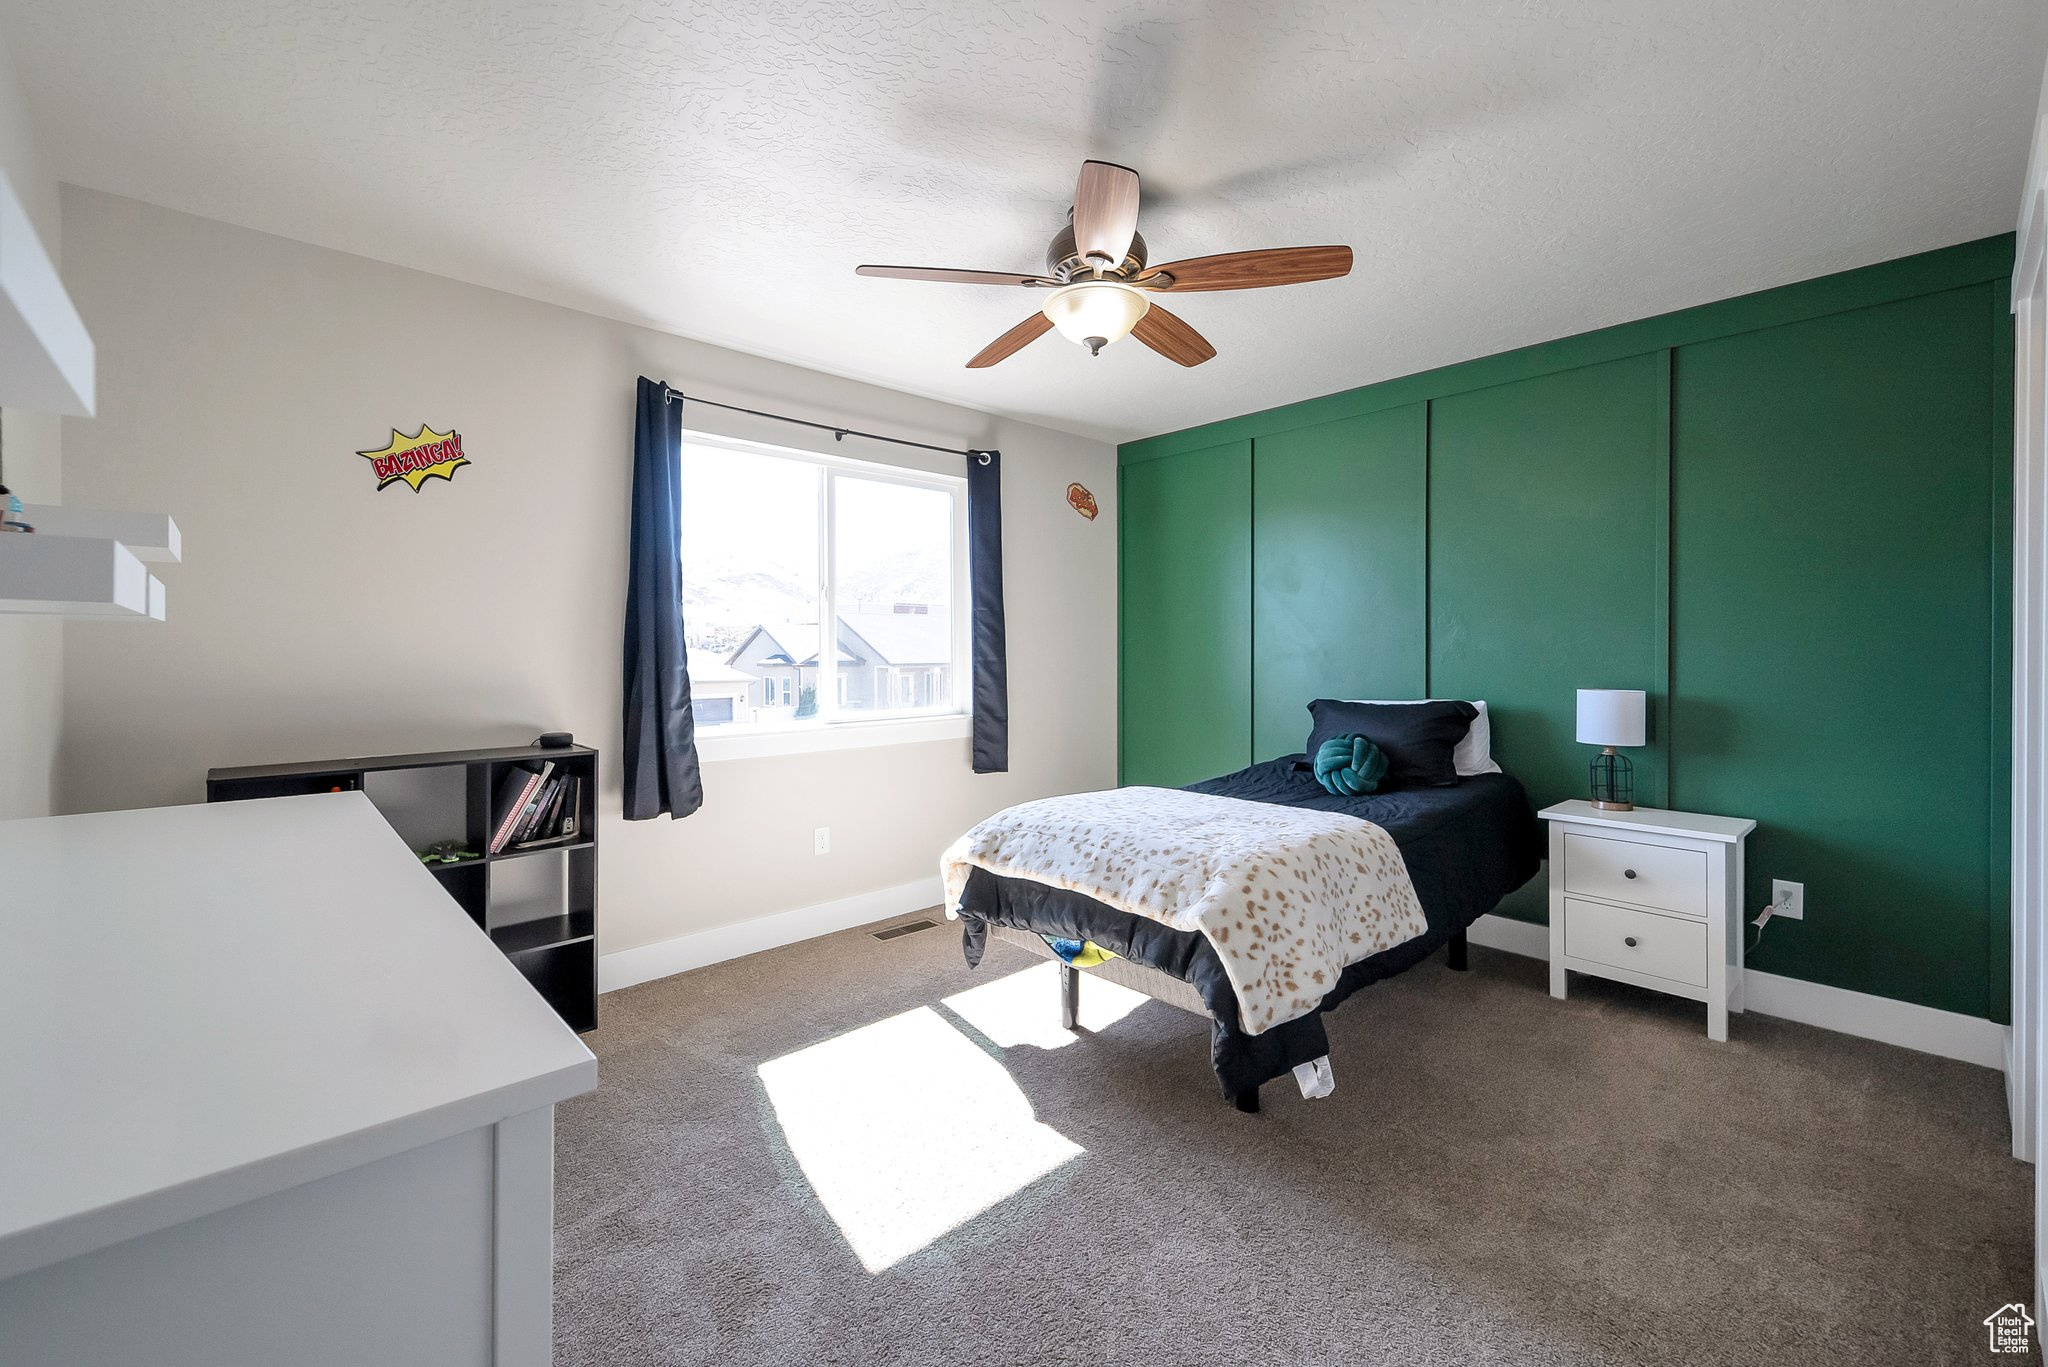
column 838, row 433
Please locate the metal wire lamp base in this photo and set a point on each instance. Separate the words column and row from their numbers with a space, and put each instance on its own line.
column 1614, row 781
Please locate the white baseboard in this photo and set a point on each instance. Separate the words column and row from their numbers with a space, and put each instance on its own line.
column 664, row 957
column 1947, row 1033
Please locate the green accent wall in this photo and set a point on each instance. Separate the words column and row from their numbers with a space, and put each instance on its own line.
column 1784, row 516
column 1546, row 559
column 1339, row 569
column 1834, row 564
column 1184, row 549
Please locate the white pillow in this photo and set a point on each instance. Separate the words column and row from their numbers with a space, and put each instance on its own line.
column 1474, row 754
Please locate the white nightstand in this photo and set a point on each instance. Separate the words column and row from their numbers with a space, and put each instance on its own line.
column 1649, row 897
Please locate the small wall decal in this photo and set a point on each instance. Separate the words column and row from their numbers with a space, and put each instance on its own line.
column 1081, row 501
column 415, row 459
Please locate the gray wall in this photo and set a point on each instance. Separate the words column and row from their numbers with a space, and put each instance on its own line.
column 31, row 650
column 315, row 616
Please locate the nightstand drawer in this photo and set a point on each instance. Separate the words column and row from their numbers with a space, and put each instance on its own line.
column 1662, row 946
column 1630, row 871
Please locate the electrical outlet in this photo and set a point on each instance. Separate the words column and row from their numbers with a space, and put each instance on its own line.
column 1788, row 899
column 821, row 840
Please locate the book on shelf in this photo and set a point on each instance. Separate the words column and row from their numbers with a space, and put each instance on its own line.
column 544, row 825
column 517, row 791
column 553, row 826
column 531, row 812
column 556, row 821
column 572, row 809
column 527, row 811
column 536, row 826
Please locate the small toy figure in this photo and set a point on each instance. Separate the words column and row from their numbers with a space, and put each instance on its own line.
column 10, row 512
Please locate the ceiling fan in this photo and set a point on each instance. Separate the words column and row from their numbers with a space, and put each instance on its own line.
column 1102, row 286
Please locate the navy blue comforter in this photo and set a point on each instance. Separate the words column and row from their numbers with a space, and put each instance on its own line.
column 1466, row 847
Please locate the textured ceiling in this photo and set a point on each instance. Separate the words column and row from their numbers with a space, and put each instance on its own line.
column 1508, row 172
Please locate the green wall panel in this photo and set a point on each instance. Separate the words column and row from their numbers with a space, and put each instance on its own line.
column 1185, row 648
column 1339, row 537
column 1548, row 505
column 1835, row 638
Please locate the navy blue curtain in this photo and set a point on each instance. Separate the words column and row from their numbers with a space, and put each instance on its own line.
column 661, row 773
column 985, row 581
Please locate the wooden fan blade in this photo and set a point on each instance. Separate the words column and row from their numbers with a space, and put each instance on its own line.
column 1012, row 342
column 1105, row 213
column 1172, row 338
column 1248, row 270
column 941, row 275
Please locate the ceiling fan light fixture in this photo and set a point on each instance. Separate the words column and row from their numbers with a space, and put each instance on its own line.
column 1097, row 269
column 1095, row 313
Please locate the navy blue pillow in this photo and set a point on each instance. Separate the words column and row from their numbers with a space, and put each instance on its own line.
column 1419, row 738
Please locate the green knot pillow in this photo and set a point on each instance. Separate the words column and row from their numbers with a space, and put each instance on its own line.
column 1350, row 766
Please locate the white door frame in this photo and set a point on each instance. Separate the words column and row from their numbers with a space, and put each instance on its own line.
column 2025, row 1094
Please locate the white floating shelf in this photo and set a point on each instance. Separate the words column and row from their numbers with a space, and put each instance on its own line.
column 75, row 576
column 46, row 355
column 153, row 613
column 152, row 536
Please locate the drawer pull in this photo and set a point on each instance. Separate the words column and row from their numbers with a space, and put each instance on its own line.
column 1628, row 873
column 1630, row 941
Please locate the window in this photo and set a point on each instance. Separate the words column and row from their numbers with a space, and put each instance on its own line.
column 777, row 542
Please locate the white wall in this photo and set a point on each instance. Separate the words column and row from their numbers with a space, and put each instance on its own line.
column 31, row 650
column 315, row 616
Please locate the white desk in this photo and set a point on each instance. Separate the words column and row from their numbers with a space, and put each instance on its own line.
column 266, row 1095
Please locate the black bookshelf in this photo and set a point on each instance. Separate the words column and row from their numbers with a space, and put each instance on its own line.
column 537, row 900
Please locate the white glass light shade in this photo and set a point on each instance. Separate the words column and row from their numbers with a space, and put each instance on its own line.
column 1611, row 716
column 1096, row 312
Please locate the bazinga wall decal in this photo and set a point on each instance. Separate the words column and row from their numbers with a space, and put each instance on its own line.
column 1081, row 501
column 415, row 459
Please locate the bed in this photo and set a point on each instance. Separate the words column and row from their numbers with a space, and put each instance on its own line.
column 1466, row 846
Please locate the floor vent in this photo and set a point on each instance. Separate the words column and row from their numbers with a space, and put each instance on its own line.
column 907, row 928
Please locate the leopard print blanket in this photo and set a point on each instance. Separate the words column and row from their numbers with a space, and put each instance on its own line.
column 1288, row 897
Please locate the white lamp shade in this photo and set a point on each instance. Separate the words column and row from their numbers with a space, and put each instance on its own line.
column 1103, row 311
column 1612, row 716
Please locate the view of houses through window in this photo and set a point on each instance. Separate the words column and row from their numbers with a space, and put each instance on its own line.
column 776, row 543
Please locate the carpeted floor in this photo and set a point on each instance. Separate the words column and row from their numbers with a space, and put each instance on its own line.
column 857, row 1151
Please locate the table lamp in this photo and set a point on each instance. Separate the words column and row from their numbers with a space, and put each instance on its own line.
column 1609, row 717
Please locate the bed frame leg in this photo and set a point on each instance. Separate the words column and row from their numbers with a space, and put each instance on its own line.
column 1454, row 952
column 1070, row 997
column 1247, row 1101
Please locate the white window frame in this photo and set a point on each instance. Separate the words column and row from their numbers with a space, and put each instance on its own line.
column 835, row 727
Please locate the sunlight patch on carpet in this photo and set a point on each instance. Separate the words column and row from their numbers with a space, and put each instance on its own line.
column 1024, row 1007
column 906, row 1131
